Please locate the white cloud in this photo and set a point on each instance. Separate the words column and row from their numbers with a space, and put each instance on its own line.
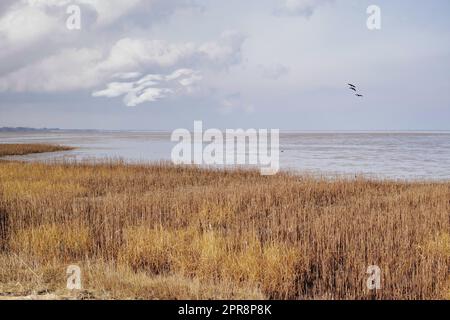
column 110, row 10
column 152, row 87
column 71, row 69
column 130, row 53
column 28, row 25
column 134, row 98
column 226, row 51
column 5, row 4
column 75, row 69
column 115, row 89
column 22, row 25
column 39, row 54
column 127, row 75
column 107, row 11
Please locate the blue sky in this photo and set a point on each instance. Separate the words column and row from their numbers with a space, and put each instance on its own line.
column 161, row 64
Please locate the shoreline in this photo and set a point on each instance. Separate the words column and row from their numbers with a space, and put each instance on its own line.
column 403, row 157
column 40, row 148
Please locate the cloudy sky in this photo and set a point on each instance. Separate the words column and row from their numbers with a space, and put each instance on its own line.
column 161, row 64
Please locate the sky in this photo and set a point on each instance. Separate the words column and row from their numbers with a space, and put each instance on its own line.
column 284, row 64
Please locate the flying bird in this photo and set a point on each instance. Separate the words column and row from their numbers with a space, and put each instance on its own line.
column 353, row 87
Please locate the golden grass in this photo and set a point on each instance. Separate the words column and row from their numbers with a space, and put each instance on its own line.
column 23, row 149
column 164, row 232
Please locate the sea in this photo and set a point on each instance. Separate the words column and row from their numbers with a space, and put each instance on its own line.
column 381, row 155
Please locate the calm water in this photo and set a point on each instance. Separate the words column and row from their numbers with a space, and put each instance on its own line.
column 405, row 155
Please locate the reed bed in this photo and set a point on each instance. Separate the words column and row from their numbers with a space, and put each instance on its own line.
column 9, row 149
column 159, row 231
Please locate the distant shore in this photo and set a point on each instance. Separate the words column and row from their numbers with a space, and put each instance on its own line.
column 26, row 129
column 24, row 149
